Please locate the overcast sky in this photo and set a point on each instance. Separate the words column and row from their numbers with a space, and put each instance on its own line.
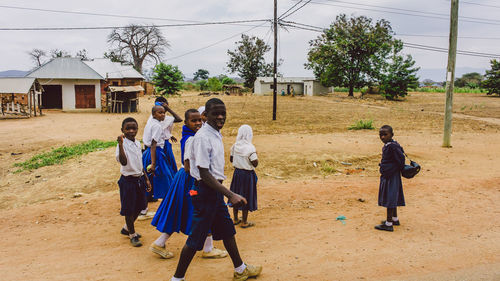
column 293, row 43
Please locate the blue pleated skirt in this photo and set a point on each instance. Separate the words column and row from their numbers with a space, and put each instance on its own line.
column 244, row 183
column 175, row 213
column 163, row 175
column 170, row 158
column 390, row 193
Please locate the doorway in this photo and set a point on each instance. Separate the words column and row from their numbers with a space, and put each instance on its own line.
column 52, row 97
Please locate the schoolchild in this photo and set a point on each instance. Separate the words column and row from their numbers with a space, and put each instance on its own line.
column 201, row 110
column 176, row 210
column 133, row 184
column 390, row 194
column 154, row 158
column 210, row 210
column 244, row 159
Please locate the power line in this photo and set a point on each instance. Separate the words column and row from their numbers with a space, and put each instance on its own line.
column 478, row 4
column 291, row 13
column 123, row 27
column 463, row 19
column 215, row 43
column 300, row 1
column 446, row 36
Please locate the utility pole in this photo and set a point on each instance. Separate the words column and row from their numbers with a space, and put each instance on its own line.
column 275, row 65
column 450, row 73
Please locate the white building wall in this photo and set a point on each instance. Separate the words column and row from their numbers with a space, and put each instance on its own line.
column 68, row 92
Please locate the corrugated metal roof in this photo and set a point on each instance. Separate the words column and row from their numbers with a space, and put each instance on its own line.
column 285, row 79
column 126, row 89
column 65, row 68
column 16, row 85
column 113, row 70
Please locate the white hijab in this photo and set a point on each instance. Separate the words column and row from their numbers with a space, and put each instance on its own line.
column 243, row 145
column 201, row 109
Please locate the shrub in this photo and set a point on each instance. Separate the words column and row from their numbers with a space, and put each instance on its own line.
column 168, row 79
column 362, row 125
column 213, row 84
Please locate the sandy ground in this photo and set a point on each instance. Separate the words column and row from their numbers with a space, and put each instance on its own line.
column 450, row 227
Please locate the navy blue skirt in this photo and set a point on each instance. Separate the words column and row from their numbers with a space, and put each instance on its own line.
column 244, row 183
column 176, row 210
column 163, row 175
column 390, row 193
column 169, row 157
column 132, row 195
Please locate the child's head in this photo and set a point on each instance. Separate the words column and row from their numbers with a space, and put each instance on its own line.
column 201, row 110
column 129, row 128
column 158, row 112
column 161, row 100
column 385, row 133
column 215, row 110
column 245, row 134
column 192, row 119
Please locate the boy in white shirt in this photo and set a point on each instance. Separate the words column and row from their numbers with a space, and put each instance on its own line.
column 210, row 211
column 132, row 182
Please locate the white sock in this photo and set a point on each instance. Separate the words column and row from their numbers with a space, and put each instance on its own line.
column 162, row 239
column 209, row 244
column 125, row 227
column 240, row 268
column 132, row 235
column 388, row 223
column 177, row 279
column 395, row 219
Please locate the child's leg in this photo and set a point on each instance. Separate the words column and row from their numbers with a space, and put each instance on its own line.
column 209, row 244
column 390, row 212
column 162, row 239
column 395, row 215
column 129, row 220
column 185, row 259
column 232, row 249
column 245, row 216
column 235, row 214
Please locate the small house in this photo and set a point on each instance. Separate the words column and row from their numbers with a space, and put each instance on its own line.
column 69, row 84
column 307, row 86
column 20, row 96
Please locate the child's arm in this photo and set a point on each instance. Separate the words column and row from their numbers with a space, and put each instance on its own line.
column 177, row 118
column 187, row 168
column 173, row 139
column 148, row 183
column 235, row 199
column 231, row 158
column 153, row 157
column 253, row 159
column 122, row 156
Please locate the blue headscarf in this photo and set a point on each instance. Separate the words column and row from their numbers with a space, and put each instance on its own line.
column 186, row 134
column 158, row 103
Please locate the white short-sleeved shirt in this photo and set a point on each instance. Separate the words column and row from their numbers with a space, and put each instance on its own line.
column 243, row 162
column 166, row 126
column 207, row 151
column 187, row 150
column 134, row 158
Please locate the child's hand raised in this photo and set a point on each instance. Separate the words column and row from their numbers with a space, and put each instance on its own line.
column 237, row 200
column 119, row 139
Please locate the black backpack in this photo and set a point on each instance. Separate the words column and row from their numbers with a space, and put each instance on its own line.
column 409, row 171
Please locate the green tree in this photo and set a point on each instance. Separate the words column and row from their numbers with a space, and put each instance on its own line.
column 471, row 80
column 228, row 81
column 201, row 74
column 202, row 84
column 398, row 75
column 248, row 59
column 492, row 78
column 351, row 52
column 214, row 84
column 168, row 79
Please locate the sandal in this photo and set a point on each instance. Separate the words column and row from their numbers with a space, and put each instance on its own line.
column 236, row 222
column 249, row 224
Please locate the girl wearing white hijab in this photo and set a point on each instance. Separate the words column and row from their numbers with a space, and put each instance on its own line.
column 244, row 183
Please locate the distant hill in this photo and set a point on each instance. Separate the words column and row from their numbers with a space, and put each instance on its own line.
column 13, row 73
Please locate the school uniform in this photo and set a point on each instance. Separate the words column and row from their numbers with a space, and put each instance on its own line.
column 391, row 187
column 176, row 210
column 154, row 130
column 167, row 125
column 245, row 179
column 132, row 184
column 210, row 210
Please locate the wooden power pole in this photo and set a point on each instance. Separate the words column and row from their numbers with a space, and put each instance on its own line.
column 275, row 65
column 450, row 73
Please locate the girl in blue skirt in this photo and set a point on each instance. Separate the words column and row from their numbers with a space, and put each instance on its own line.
column 175, row 211
column 390, row 194
column 244, row 159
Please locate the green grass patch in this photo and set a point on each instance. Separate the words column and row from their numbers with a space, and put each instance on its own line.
column 61, row 154
column 327, row 168
column 362, row 125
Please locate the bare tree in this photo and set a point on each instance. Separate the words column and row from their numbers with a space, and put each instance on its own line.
column 37, row 56
column 139, row 43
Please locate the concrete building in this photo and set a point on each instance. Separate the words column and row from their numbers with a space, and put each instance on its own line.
column 307, row 86
column 69, row 84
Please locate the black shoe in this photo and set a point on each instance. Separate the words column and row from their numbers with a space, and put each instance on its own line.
column 152, row 199
column 393, row 223
column 125, row 232
column 384, row 227
column 135, row 241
